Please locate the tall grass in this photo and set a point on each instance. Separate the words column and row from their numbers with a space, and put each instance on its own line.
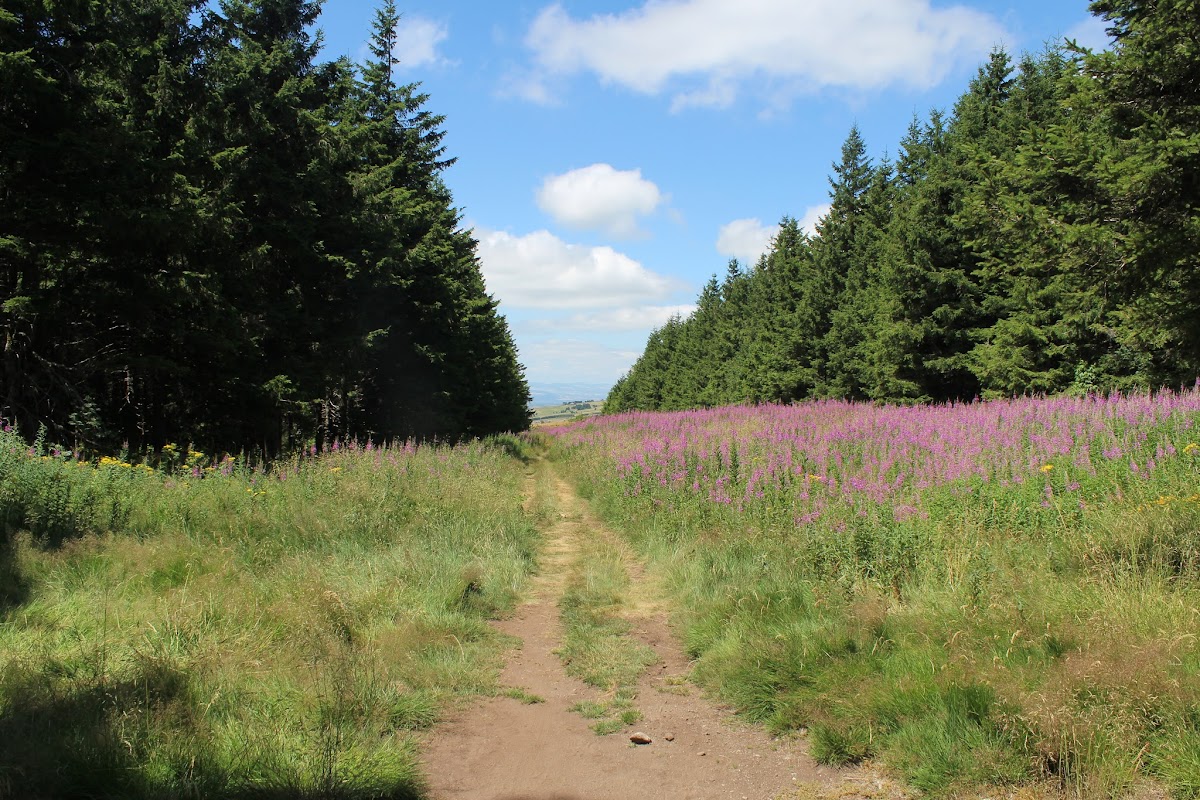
column 989, row 593
column 223, row 632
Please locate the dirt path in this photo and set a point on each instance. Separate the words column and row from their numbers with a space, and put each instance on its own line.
column 504, row 749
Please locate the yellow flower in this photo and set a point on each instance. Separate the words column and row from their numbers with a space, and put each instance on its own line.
column 1191, row 448
column 335, row 469
column 1047, row 468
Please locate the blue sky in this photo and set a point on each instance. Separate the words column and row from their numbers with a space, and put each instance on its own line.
column 613, row 154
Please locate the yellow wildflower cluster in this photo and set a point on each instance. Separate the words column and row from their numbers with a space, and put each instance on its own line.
column 1047, row 468
column 109, row 461
column 1192, row 447
column 1167, row 499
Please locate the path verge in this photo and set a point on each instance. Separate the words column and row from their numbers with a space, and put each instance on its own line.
column 507, row 748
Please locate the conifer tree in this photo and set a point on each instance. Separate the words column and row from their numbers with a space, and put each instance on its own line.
column 1149, row 84
column 208, row 236
column 834, row 257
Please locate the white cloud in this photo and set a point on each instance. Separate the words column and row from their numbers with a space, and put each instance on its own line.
column 599, row 197
column 1091, row 33
column 719, row 93
column 633, row 318
column 561, row 360
column 539, row 270
column 702, row 51
column 813, row 215
column 526, row 85
column 417, row 40
column 745, row 239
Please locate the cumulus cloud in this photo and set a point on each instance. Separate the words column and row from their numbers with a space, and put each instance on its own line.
column 561, row 359
column 634, row 318
column 599, row 197
column 745, row 239
column 813, row 215
column 417, row 40
column 702, row 51
column 539, row 270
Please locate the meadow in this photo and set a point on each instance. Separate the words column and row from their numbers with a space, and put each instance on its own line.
column 974, row 595
column 199, row 628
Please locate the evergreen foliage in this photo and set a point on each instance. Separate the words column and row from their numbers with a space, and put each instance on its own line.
column 1044, row 237
column 210, row 236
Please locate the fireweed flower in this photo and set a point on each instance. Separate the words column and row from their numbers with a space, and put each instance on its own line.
column 797, row 463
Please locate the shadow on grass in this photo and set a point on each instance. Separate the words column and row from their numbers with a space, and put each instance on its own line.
column 14, row 590
column 514, row 447
column 57, row 743
column 140, row 738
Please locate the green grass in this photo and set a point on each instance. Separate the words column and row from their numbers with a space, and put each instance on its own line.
column 249, row 634
column 522, row 696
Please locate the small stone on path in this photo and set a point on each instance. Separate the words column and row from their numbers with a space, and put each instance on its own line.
column 670, row 737
column 640, row 738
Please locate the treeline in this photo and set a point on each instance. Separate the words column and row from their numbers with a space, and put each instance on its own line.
column 209, row 236
column 1044, row 237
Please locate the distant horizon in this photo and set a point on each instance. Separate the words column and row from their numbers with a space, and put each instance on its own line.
column 547, row 393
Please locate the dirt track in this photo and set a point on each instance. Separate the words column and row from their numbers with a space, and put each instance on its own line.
column 503, row 749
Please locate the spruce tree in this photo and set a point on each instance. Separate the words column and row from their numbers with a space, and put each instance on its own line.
column 440, row 360
column 1150, row 86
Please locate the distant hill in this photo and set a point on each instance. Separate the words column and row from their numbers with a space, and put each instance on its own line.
column 564, row 412
column 552, row 394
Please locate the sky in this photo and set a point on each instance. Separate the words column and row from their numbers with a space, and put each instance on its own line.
column 612, row 155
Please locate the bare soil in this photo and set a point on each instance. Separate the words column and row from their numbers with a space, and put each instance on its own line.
column 504, row 749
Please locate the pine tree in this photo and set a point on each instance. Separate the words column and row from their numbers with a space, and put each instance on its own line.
column 440, row 360
column 834, row 256
column 1045, row 314
column 854, row 355
column 1150, row 86
column 96, row 217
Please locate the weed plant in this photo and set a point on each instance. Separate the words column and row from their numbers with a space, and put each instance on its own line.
column 977, row 594
column 223, row 632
